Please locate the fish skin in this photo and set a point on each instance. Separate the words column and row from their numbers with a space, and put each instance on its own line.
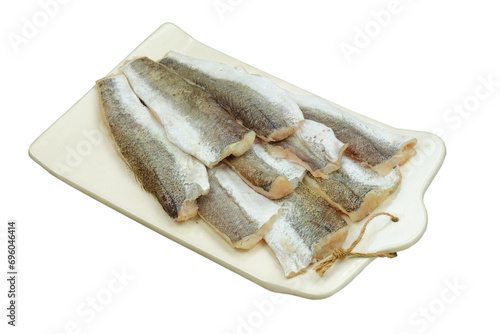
column 175, row 178
column 315, row 147
column 257, row 102
column 308, row 230
column 193, row 120
column 268, row 174
column 355, row 189
column 374, row 145
column 239, row 214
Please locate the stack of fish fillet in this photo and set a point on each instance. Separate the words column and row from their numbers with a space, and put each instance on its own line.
column 251, row 159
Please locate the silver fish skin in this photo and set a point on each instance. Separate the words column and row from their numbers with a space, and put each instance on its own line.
column 355, row 189
column 193, row 120
column 239, row 214
column 271, row 175
column 175, row 178
column 377, row 147
column 308, row 230
column 315, row 147
column 260, row 104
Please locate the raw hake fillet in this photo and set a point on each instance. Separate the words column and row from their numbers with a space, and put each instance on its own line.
column 268, row 174
column 234, row 210
column 374, row 145
column 257, row 102
column 193, row 120
column 175, row 178
column 315, row 147
column 355, row 189
column 308, row 230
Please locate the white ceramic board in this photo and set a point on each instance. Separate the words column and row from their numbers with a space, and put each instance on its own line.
column 77, row 150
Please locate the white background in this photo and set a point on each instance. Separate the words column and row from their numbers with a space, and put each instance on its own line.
column 429, row 58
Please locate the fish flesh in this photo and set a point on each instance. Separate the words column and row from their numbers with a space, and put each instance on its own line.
column 260, row 104
column 315, row 147
column 268, row 173
column 193, row 120
column 380, row 149
column 355, row 189
column 175, row 178
column 239, row 214
column 308, row 230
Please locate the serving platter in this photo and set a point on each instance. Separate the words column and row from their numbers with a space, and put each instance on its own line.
column 77, row 150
